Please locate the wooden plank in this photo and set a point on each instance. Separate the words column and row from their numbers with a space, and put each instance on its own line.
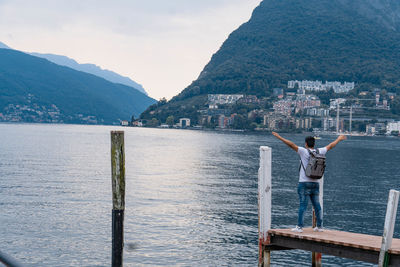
column 336, row 243
column 326, row 248
column 362, row 241
column 287, row 243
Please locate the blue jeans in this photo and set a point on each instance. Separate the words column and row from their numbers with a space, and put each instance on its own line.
column 305, row 190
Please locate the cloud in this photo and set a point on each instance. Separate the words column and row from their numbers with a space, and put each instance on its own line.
column 161, row 44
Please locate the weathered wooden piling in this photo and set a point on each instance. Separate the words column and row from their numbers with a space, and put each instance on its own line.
column 264, row 204
column 118, row 196
column 388, row 229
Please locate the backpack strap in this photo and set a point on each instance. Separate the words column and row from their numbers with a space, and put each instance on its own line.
column 312, row 153
column 301, row 165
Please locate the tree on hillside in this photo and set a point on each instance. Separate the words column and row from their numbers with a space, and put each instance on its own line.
column 396, row 105
column 170, row 120
column 153, row 123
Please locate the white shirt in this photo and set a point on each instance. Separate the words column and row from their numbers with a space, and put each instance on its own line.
column 305, row 157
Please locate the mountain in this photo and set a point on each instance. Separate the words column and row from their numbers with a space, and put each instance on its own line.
column 88, row 68
column 386, row 13
column 3, row 45
column 92, row 69
column 334, row 40
column 305, row 39
column 33, row 89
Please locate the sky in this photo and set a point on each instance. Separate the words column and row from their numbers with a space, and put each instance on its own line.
column 161, row 44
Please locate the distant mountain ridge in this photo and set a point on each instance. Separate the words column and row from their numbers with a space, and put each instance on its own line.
column 88, row 68
column 92, row 69
column 33, row 89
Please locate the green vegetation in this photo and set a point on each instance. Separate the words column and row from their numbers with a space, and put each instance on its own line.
column 38, row 86
column 396, row 105
column 170, row 121
column 178, row 109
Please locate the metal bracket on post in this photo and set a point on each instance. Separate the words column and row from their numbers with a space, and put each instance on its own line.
column 388, row 230
column 264, row 204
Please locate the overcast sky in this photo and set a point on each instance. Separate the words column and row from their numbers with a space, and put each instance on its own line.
column 161, row 44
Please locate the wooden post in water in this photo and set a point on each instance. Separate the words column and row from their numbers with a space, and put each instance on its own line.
column 264, row 204
column 316, row 256
column 118, row 196
column 388, row 230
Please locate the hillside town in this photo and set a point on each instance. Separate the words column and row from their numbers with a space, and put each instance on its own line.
column 297, row 108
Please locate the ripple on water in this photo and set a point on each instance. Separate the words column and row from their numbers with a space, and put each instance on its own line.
column 191, row 196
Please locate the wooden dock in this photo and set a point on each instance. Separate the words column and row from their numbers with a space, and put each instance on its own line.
column 336, row 243
column 382, row 250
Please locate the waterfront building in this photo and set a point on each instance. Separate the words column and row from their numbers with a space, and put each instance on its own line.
column 370, row 129
column 304, row 123
column 274, row 121
column 392, row 127
column 205, row 119
column 224, row 121
column 378, row 128
column 184, row 122
column 329, row 124
column 139, row 123
column 317, row 112
column 124, row 123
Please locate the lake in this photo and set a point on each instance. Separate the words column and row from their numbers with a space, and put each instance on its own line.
column 191, row 196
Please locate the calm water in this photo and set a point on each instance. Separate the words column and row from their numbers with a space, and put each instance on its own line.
column 191, row 196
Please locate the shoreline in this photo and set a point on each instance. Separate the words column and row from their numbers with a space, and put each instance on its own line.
column 227, row 130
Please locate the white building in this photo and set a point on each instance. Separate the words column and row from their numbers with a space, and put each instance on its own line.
column 124, row 123
column 370, row 129
column 221, row 99
column 328, row 124
column 317, row 86
column 138, row 123
column 318, row 112
column 392, row 126
column 334, row 102
column 184, row 122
